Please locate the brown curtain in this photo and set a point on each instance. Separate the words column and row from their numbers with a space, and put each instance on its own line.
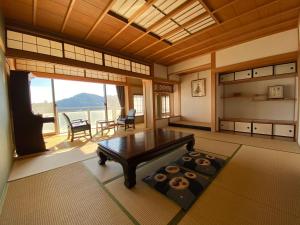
column 121, row 97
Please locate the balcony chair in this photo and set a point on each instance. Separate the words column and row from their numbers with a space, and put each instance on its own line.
column 76, row 126
column 128, row 120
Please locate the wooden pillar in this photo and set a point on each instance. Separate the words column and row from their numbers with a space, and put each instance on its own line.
column 149, row 110
column 298, row 68
column 213, row 92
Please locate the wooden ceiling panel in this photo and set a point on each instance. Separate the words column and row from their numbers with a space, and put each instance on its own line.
column 288, row 4
column 238, row 39
column 51, row 14
column 226, row 13
column 243, row 6
column 253, row 16
column 215, row 4
column 140, row 44
column 24, row 14
column 270, row 10
column 162, row 54
column 154, row 48
column 128, row 35
column 106, row 29
column 232, row 24
column 84, row 15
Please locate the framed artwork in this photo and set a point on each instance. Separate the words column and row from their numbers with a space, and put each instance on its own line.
column 198, row 88
column 275, row 92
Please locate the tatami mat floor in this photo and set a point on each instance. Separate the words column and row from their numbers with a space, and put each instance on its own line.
column 259, row 185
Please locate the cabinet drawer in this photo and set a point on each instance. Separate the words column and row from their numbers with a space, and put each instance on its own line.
column 242, row 127
column 227, row 77
column 227, row 125
column 246, row 74
column 285, row 68
column 284, row 130
column 262, row 128
column 264, row 71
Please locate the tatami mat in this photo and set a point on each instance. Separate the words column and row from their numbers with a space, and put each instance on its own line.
column 62, row 152
column 218, row 206
column 65, row 196
column 217, row 147
column 266, row 176
column 104, row 173
column 146, row 205
column 33, row 165
column 261, row 142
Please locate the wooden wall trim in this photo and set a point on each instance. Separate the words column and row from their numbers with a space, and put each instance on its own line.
column 75, row 78
column 276, row 59
column 213, row 88
column 192, row 70
column 158, row 80
column 14, row 53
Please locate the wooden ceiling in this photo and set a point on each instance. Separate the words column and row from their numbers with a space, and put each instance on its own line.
column 161, row 31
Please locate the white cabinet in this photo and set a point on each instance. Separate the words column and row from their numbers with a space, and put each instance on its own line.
column 227, row 77
column 262, row 128
column 285, row 68
column 246, row 74
column 263, row 71
column 242, row 127
column 227, row 125
column 284, row 130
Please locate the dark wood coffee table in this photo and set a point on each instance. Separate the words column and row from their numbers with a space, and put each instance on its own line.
column 136, row 148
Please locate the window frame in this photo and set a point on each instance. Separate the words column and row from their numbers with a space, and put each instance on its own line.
column 140, row 96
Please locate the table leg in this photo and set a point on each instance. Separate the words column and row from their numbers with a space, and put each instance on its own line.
column 102, row 157
column 190, row 145
column 129, row 175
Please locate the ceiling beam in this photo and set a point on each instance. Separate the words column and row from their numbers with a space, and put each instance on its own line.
column 161, row 21
column 100, row 18
column 172, row 32
column 210, row 28
column 135, row 15
column 34, row 9
column 209, row 11
column 277, row 27
column 70, row 8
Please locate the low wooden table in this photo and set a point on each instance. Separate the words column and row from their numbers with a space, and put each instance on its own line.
column 105, row 125
column 136, row 148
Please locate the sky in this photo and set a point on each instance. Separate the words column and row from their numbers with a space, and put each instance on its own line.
column 40, row 89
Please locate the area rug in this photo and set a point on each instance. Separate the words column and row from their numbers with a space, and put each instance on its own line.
column 184, row 180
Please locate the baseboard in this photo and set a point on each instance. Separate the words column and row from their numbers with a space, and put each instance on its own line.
column 190, row 126
column 2, row 196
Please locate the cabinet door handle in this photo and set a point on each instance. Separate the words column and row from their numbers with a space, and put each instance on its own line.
column 255, row 128
column 292, row 68
column 290, row 131
column 248, row 127
column 255, row 72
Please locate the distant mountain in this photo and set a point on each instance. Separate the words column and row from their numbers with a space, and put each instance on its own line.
column 82, row 100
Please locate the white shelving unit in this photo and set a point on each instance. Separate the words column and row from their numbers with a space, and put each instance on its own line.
column 244, row 106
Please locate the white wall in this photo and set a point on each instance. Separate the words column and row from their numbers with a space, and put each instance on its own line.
column 275, row 44
column 189, row 64
column 196, row 108
column 160, row 71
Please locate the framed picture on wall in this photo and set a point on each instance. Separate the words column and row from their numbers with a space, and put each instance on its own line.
column 275, row 92
column 198, row 88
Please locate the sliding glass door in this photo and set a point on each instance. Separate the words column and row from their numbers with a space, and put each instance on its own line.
column 79, row 100
column 113, row 104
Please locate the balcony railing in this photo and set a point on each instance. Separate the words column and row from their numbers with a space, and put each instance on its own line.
column 86, row 113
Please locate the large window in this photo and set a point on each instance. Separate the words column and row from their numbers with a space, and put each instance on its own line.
column 165, row 105
column 138, row 104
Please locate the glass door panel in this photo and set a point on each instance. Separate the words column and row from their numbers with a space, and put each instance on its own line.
column 42, row 101
column 79, row 100
column 113, row 105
